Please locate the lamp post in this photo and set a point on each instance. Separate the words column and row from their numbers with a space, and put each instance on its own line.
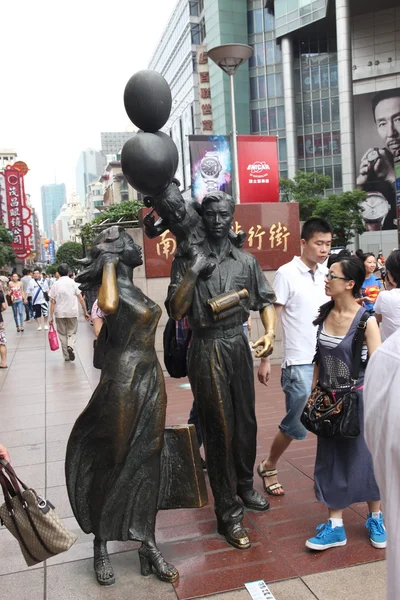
column 229, row 57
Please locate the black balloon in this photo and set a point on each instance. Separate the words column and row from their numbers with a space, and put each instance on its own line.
column 148, row 100
column 149, row 162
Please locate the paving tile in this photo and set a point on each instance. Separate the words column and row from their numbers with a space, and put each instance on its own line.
column 33, row 475
column 9, row 409
column 291, row 589
column 76, row 581
column 58, row 433
column 21, row 423
column 26, row 437
column 26, row 585
column 28, row 455
column 56, row 450
column 62, row 417
column 55, row 473
column 368, row 581
column 20, row 399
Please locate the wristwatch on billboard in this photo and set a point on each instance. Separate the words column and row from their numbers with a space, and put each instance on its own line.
column 373, row 156
column 210, row 168
column 375, row 209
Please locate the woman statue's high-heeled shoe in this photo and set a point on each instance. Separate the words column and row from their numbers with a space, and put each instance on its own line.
column 102, row 563
column 151, row 558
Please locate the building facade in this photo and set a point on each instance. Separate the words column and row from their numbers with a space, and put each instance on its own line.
column 53, row 197
column 89, row 167
column 316, row 66
column 112, row 141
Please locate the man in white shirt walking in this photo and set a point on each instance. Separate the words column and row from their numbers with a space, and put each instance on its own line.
column 25, row 280
column 38, row 289
column 382, row 422
column 64, row 297
column 299, row 287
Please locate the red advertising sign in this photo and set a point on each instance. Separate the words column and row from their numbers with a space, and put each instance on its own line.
column 273, row 237
column 17, row 214
column 258, row 168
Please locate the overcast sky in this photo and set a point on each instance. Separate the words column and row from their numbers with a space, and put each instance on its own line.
column 64, row 69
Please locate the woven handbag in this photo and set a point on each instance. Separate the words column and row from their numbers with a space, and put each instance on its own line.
column 31, row 519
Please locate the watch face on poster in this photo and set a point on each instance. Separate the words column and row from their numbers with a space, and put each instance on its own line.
column 210, row 158
column 375, row 208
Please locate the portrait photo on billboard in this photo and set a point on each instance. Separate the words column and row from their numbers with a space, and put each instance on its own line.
column 211, row 165
column 377, row 137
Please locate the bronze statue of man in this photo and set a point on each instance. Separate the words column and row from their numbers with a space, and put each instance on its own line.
column 220, row 364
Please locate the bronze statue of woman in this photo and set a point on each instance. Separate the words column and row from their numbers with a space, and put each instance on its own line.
column 114, row 450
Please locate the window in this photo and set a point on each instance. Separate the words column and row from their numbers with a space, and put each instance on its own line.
column 271, row 86
column 193, row 8
column 255, row 125
column 324, row 76
column 268, row 20
column 279, row 84
column 316, row 109
column 280, row 111
column 262, row 91
column 272, row 117
column 335, row 109
column 337, row 170
column 282, row 151
column 315, row 79
column 263, row 119
column 254, row 21
column 253, row 88
column 326, row 116
column 257, row 60
column 333, row 75
column 198, row 32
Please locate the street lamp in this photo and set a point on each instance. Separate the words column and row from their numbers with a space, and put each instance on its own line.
column 229, row 57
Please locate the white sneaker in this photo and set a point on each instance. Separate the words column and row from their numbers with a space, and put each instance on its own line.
column 39, row 329
column 46, row 327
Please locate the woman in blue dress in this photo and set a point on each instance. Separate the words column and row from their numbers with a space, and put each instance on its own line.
column 343, row 468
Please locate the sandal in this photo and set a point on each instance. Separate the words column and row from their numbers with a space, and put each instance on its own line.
column 17, row 329
column 274, row 486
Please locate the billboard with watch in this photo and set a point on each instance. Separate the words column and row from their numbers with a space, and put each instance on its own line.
column 377, row 137
column 211, row 165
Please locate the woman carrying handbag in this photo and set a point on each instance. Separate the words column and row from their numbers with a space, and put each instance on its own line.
column 343, row 467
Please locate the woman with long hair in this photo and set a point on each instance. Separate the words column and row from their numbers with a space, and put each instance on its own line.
column 343, row 467
column 372, row 285
column 387, row 306
column 114, row 450
column 17, row 294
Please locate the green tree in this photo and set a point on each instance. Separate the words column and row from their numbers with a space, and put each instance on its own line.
column 124, row 211
column 307, row 189
column 69, row 253
column 7, row 256
column 344, row 213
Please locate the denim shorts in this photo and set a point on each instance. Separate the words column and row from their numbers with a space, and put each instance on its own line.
column 296, row 381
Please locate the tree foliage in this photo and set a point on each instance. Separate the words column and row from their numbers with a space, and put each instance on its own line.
column 7, row 256
column 343, row 211
column 69, row 253
column 127, row 211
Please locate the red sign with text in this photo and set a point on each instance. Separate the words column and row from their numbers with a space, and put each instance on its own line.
column 258, row 168
column 18, row 214
column 273, row 237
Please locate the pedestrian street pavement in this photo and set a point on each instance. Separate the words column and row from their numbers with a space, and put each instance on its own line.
column 40, row 398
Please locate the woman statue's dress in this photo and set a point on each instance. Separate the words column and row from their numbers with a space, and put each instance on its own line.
column 114, row 450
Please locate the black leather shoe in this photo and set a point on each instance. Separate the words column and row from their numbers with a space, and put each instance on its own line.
column 235, row 534
column 253, row 500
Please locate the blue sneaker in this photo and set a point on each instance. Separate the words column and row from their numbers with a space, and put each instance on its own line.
column 377, row 531
column 328, row 537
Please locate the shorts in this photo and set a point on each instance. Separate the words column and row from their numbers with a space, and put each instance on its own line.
column 296, row 381
column 3, row 339
column 40, row 310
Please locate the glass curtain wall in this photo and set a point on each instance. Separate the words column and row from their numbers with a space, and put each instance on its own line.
column 317, row 107
column 267, row 113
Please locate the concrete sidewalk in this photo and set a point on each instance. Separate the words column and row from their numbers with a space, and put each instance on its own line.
column 40, row 398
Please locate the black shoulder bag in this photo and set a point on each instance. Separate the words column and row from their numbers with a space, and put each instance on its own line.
column 328, row 414
column 45, row 294
column 174, row 355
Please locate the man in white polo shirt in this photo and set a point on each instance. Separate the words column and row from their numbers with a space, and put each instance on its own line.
column 299, row 287
column 64, row 296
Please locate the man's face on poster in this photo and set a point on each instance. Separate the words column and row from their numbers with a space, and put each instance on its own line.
column 387, row 118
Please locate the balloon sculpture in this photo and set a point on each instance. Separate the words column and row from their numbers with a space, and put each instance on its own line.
column 149, row 161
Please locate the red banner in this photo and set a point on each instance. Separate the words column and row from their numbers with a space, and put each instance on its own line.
column 258, row 169
column 18, row 214
column 273, row 237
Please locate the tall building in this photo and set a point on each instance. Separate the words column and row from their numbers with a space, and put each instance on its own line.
column 89, row 167
column 53, row 197
column 7, row 157
column 112, row 141
column 316, row 67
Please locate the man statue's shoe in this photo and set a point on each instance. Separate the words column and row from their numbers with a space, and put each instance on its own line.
column 253, row 500
column 235, row 534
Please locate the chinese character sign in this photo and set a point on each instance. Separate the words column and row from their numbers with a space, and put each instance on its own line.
column 258, row 168
column 206, row 121
column 17, row 214
column 211, row 165
column 273, row 237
